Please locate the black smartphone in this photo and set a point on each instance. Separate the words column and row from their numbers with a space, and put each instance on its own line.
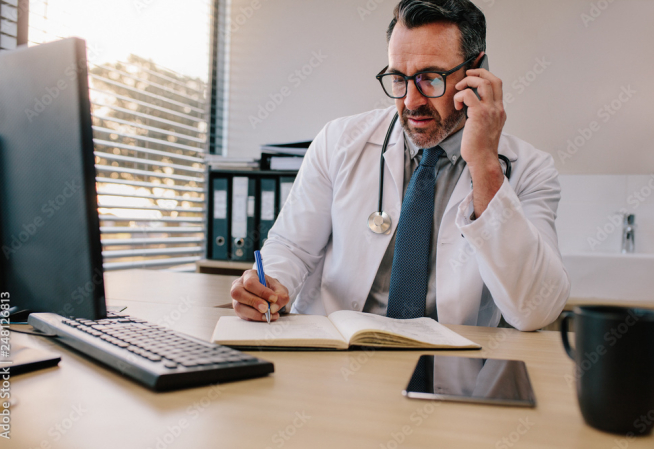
column 483, row 64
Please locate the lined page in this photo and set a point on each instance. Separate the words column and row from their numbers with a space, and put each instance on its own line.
column 416, row 332
column 310, row 331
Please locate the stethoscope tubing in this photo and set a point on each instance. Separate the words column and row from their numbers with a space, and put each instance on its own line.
column 381, row 164
column 380, row 211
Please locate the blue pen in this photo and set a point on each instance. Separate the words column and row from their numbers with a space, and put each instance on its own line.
column 262, row 278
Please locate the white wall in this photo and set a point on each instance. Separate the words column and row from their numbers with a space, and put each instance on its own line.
column 281, row 37
column 591, row 209
column 589, row 63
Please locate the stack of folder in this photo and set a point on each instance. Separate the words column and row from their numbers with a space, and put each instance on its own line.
column 244, row 208
column 246, row 196
column 285, row 156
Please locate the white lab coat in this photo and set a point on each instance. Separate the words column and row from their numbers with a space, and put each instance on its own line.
column 505, row 262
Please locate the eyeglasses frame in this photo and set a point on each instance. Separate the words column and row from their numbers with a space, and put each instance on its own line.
column 407, row 78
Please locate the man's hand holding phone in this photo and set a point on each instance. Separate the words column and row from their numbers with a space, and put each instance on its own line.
column 250, row 298
column 482, row 132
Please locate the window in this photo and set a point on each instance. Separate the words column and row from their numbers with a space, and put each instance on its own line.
column 149, row 82
column 13, row 23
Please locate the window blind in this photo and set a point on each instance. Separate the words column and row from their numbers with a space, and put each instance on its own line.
column 13, row 23
column 150, row 137
column 149, row 131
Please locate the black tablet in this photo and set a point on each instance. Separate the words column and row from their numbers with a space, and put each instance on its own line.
column 462, row 379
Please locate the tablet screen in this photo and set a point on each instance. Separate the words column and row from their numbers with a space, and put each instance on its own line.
column 461, row 379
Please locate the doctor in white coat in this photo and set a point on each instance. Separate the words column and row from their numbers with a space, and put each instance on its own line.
column 496, row 245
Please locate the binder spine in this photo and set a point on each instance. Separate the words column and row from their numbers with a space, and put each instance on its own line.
column 243, row 207
column 252, row 236
column 220, row 234
column 243, row 217
column 268, row 208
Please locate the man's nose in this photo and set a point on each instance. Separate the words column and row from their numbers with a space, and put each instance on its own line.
column 414, row 98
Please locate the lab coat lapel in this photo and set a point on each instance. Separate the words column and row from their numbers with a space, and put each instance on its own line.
column 394, row 160
column 461, row 190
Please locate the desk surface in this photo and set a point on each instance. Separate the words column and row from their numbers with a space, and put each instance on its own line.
column 313, row 400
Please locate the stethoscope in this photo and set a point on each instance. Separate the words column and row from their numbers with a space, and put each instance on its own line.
column 379, row 222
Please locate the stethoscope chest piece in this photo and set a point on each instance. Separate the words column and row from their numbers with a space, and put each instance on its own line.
column 379, row 222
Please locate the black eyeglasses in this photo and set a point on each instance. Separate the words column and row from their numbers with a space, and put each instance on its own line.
column 429, row 83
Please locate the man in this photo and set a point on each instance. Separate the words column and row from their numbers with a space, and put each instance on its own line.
column 466, row 244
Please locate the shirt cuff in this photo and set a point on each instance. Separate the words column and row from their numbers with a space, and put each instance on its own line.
column 503, row 199
column 466, row 211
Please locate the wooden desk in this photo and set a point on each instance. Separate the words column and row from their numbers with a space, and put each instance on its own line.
column 313, row 400
column 573, row 302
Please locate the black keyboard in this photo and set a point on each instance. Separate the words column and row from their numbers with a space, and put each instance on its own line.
column 153, row 355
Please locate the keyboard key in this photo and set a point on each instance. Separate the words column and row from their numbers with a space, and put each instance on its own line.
column 190, row 363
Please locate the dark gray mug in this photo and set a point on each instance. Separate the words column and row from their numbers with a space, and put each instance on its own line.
column 614, row 356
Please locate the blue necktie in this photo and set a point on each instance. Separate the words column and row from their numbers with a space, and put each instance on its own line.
column 410, row 273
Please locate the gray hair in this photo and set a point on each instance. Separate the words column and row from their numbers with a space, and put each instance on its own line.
column 470, row 20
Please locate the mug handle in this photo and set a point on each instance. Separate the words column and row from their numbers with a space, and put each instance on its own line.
column 564, row 334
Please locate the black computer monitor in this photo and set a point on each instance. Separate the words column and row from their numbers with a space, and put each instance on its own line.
column 50, row 250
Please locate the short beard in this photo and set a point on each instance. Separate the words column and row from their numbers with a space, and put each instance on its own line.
column 431, row 137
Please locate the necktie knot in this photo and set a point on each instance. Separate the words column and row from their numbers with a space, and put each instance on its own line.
column 430, row 156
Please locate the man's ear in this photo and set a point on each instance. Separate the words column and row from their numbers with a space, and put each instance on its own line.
column 478, row 60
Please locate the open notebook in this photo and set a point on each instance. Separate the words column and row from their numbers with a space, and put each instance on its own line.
column 339, row 330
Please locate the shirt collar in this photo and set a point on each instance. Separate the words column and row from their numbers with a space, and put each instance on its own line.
column 451, row 145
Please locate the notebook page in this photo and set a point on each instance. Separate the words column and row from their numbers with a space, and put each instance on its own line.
column 423, row 330
column 288, row 330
